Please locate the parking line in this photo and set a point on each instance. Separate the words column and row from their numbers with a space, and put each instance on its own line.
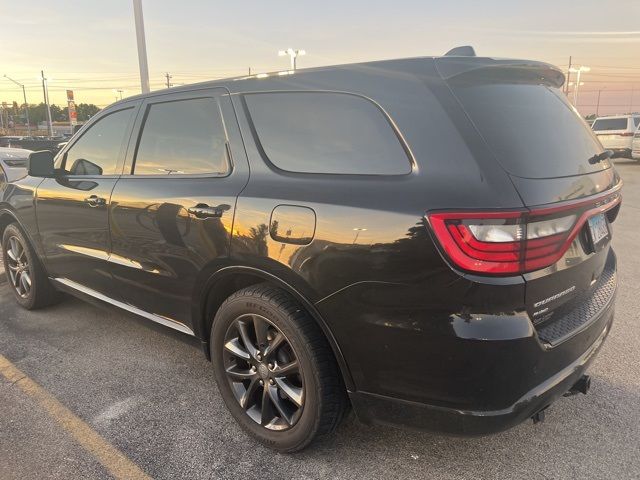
column 110, row 457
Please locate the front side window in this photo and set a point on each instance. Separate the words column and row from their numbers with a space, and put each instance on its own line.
column 97, row 151
column 182, row 137
column 325, row 132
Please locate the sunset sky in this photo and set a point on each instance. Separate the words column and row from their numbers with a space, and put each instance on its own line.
column 89, row 46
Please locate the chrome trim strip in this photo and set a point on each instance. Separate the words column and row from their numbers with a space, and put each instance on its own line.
column 89, row 252
column 107, row 257
column 167, row 322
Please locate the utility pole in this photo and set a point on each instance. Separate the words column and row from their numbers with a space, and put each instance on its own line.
column 26, row 105
column 598, row 103
column 249, row 71
column 142, row 46
column 168, row 82
column 633, row 90
column 293, row 55
column 46, row 102
column 566, row 92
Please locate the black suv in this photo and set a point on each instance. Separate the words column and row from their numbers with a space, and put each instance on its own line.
column 426, row 240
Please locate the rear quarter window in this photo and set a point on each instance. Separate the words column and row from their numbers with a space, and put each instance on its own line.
column 326, row 132
column 605, row 124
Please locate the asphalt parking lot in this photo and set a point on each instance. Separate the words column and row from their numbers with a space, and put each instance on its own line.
column 99, row 391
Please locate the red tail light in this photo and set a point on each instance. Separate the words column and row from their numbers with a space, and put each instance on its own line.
column 626, row 134
column 513, row 242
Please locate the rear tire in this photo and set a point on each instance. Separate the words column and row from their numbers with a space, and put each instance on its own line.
column 24, row 272
column 275, row 369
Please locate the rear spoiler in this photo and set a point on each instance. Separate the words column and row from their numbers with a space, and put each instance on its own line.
column 474, row 70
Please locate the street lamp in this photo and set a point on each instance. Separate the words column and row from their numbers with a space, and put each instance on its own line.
column 26, row 105
column 358, row 230
column 119, row 92
column 293, row 54
column 45, row 92
column 579, row 71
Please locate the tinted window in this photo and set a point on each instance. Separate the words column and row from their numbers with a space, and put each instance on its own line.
column 98, row 149
column 182, row 137
column 636, row 121
column 326, row 133
column 603, row 124
column 531, row 128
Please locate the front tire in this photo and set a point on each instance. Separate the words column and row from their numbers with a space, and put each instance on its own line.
column 25, row 274
column 275, row 369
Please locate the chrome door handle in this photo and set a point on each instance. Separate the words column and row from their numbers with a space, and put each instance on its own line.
column 205, row 211
column 95, row 201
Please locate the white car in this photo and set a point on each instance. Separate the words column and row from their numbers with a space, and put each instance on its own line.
column 635, row 148
column 616, row 133
column 13, row 163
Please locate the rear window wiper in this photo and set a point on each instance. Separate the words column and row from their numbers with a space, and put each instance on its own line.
column 600, row 157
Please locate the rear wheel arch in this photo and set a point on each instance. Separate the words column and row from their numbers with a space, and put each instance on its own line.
column 229, row 280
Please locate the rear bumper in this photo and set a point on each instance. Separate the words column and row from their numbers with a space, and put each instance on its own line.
column 371, row 408
column 495, row 373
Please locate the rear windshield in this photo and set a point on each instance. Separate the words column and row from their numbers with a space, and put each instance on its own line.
column 604, row 124
column 531, row 128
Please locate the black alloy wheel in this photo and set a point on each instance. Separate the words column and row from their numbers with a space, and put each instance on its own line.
column 18, row 266
column 275, row 369
column 264, row 372
column 25, row 274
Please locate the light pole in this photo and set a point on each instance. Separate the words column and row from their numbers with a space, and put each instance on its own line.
column 293, row 54
column 579, row 71
column 120, row 92
column 26, row 105
column 358, row 230
column 46, row 102
column 142, row 46
column 598, row 104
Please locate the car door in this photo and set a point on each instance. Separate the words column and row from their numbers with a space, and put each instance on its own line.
column 172, row 211
column 73, row 207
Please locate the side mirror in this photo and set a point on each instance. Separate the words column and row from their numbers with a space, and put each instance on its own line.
column 40, row 164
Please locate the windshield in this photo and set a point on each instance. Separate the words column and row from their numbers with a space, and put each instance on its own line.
column 531, row 128
column 604, row 124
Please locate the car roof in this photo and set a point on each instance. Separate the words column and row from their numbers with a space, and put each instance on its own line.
column 630, row 115
column 307, row 76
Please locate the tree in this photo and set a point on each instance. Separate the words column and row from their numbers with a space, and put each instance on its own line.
column 38, row 113
column 85, row 111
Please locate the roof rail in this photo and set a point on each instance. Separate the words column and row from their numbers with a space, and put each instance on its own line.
column 464, row 51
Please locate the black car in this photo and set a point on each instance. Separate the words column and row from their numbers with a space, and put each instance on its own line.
column 425, row 240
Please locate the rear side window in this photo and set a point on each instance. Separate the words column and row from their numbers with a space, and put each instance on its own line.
column 97, row 151
column 182, row 137
column 318, row 132
column 636, row 121
column 604, row 124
